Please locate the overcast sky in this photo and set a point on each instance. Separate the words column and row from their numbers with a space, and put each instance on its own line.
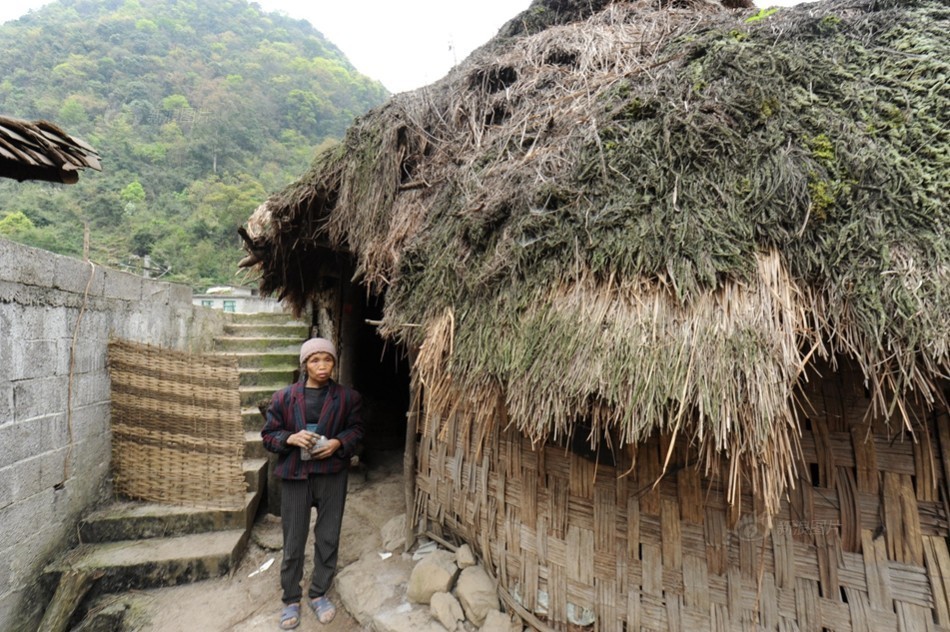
column 404, row 44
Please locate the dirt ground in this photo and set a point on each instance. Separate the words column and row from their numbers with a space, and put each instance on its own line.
column 244, row 603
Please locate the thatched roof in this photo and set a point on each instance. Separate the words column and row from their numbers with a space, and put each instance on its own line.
column 654, row 219
column 41, row 151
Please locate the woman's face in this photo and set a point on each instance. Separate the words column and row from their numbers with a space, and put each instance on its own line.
column 319, row 368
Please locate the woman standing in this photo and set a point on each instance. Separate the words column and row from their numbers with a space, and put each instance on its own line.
column 312, row 465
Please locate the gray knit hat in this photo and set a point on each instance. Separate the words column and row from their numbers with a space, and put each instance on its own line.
column 316, row 345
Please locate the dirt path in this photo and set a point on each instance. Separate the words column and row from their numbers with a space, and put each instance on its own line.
column 239, row 603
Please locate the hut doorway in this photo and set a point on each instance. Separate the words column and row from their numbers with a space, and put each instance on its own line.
column 377, row 369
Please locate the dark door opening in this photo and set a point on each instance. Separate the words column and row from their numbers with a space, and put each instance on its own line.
column 379, row 371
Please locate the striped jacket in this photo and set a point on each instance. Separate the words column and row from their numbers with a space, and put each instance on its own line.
column 340, row 419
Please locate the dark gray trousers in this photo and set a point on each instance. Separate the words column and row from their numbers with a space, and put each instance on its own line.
column 326, row 492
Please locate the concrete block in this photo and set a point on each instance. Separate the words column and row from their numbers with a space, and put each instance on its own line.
column 74, row 497
column 122, row 286
column 94, row 325
column 38, row 397
column 73, row 275
column 33, row 359
column 91, row 423
column 179, row 294
column 89, row 356
column 98, row 285
column 156, row 293
column 89, row 478
column 30, row 476
column 6, row 402
column 6, row 336
column 8, row 291
column 90, row 388
column 22, row 440
column 92, row 460
column 52, row 322
column 23, row 294
column 29, row 266
column 26, row 517
column 127, row 324
column 17, row 325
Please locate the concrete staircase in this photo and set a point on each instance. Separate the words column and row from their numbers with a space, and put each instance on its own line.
column 267, row 348
column 134, row 545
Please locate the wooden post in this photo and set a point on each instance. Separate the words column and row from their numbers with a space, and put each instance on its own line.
column 409, row 456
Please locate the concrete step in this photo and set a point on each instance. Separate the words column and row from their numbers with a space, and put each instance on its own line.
column 274, row 377
column 134, row 564
column 252, row 419
column 130, row 520
column 284, row 344
column 267, row 317
column 251, row 395
column 264, row 359
column 255, row 474
column 254, row 445
column 279, row 330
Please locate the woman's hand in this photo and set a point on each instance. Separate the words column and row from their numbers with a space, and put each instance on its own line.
column 326, row 450
column 303, row 439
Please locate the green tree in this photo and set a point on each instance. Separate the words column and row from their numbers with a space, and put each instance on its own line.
column 14, row 224
column 198, row 109
column 73, row 113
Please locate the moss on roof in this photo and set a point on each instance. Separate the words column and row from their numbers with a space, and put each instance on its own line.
column 656, row 220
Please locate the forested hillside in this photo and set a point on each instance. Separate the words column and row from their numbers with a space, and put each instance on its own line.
column 199, row 109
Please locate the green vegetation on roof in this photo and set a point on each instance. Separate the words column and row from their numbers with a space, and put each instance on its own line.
column 657, row 233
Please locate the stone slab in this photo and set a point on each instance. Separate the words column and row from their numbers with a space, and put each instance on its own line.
column 128, row 520
column 157, row 561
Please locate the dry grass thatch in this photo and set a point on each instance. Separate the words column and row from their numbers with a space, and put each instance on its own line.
column 654, row 218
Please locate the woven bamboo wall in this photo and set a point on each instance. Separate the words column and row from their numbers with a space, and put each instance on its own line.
column 177, row 436
column 860, row 545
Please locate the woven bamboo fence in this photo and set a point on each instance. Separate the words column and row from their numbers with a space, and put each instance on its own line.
column 861, row 543
column 177, row 436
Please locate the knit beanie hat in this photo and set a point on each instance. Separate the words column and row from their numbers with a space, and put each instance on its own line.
column 316, row 345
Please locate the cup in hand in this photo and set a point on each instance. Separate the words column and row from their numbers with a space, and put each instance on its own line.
column 304, row 452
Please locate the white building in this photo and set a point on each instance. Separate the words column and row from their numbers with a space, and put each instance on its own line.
column 240, row 300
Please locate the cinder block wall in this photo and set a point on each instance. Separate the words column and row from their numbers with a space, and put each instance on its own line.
column 56, row 317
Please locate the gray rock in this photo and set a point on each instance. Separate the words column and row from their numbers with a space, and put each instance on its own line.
column 393, row 533
column 464, row 557
column 406, row 619
column 436, row 572
column 477, row 594
column 447, row 609
column 497, row 621
column 371, row 585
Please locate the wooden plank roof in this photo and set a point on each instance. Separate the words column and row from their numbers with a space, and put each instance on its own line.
column 39, row 150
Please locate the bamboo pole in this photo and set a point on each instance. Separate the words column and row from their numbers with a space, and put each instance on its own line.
column 409, row 474
column 73, row 586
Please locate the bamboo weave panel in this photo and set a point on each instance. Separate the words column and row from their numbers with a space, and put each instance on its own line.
column 177, row 436
column 860, row 544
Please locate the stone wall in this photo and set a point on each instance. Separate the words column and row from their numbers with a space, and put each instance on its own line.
column 56, row 317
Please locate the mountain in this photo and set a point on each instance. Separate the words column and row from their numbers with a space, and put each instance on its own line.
column 199, row 109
